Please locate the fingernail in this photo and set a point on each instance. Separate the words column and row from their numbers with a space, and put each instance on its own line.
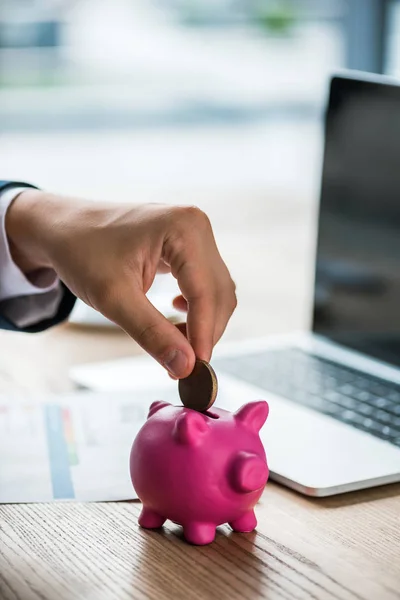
column 176, row 363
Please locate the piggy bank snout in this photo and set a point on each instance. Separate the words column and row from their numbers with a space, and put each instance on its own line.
column 249, row 472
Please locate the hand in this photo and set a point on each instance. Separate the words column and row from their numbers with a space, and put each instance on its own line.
column 108, row 256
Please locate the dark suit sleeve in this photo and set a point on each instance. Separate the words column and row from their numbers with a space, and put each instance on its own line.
column 67, row 300
column 64, row 309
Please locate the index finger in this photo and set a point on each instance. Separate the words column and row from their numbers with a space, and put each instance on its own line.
column 201, row 325
column 197, row 288
column 133, row 312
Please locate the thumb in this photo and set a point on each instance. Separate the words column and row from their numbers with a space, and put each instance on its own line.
column 153, row 332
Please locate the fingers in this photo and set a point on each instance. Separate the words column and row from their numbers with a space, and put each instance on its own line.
column 163, row 268
column 182, row 328
column 180, row 303
column 226, row 307
column 207, row 319
column 181, row 240
column 196, row 281
column 201, row 326
column 203, row 278
column 151, row 330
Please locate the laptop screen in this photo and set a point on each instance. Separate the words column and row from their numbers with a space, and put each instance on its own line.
column 357, row 286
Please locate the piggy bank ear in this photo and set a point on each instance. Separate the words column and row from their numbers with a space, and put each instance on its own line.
column 253, row 415
column 249, row 472
column 190, row 428
column 156, row 406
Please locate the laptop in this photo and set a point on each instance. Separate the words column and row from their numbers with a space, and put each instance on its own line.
column 334, row 393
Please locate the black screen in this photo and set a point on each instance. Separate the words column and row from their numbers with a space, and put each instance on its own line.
column 357, row 288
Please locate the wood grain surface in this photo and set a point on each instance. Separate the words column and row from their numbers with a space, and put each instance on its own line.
column 341, row 548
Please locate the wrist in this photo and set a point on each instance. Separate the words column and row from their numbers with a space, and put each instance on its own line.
column 26, row 223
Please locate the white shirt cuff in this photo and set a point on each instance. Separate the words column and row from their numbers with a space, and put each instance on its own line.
column 24, row 301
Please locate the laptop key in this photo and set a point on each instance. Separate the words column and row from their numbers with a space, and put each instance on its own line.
column 332, row 409
column 365, row 409
column 347, row 389
column 382, row 416
column 332, row 396
column 395, row 409
column 362, row 395
column 362, row 383
column 350, row 403
column 394, row 397
column 379, row 402
column 378, row 389
column 350, row 416
column 387, row 432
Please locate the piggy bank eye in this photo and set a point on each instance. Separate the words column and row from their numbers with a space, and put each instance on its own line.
column 156, row 406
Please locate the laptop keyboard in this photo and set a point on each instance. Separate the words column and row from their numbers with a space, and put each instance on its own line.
column 366, row 402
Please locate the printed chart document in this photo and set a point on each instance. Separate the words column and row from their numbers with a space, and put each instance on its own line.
column 72, row 447
column 77, row 446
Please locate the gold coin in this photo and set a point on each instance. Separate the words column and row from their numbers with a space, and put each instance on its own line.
column 199, row 390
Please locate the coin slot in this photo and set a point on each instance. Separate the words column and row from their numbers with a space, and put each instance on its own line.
column 211, row 415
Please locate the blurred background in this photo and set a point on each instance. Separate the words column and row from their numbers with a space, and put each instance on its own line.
column 212, row 102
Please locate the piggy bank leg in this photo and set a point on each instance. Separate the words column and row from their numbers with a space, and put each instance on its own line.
column 245, row 523
column 149, row 519
column 199, row 533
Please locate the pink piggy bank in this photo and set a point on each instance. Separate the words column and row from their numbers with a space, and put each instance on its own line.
column 200, row 470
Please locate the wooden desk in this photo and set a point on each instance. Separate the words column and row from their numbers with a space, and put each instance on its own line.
column 342, row 548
